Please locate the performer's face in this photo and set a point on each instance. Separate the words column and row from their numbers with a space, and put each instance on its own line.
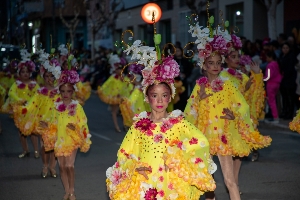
column 212, row 64
column 233, row 60
column 66, row 91
column 24, row 73
column 49, row 78
column 159, row 96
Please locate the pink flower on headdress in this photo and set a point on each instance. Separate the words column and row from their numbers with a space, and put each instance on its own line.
column 55, row 62
column 61, row 107
column 169, row 69
column 136, row 68
column 69, row 76
column 148, row 77
column 151, row 194
column 219, row 44
column 237, row 43
column 245, row 60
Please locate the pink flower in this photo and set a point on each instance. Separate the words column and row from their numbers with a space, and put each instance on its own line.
column 179, row 145
column 169, row 69
column 236, row 41
column 166, row 125
column 53, row 93
column 145, row 125
column 245, row 60
column 217, row 85
column 116, row 177
column 72, row 106
column 58, row 100
column 43, row 91
column 170, row 186
column 161, row 193
column 117, row 165
column 72, row 112
column 198, row 160
column 161, row 169
column 31, row 85
column 158, row 137
column 193, row 141
column 21, row 85
column 62, row 107
column 219, row 44
column 161, row 178
column 151, row 194
column 202, row 80
column 231, row 71
column 166, row 141
column 224, row 139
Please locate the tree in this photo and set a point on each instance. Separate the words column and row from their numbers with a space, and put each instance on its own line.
column 271, row 7
column 104, row 13
column 72, row 24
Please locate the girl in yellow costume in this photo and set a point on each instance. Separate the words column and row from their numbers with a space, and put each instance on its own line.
column 67, row 131
column 162, row 156
column 219, row 110
column 39, row 108
column 8, row 76
column 135, row 103
column 19, row 94
column 112, row 91
column 67, row 60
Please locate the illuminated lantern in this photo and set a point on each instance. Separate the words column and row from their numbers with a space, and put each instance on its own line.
column 147, row 11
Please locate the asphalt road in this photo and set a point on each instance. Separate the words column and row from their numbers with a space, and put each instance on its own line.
column 274, row 177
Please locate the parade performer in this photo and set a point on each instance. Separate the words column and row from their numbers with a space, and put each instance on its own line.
column 67, row 131
column 39, row 108
column 112, row 91
column 19, row 94
column 162, row 156
column 68, row 61
column 135, row 104
column 8, row 76
column 218, row 108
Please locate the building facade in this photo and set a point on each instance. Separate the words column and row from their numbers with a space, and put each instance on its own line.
column 249, row 16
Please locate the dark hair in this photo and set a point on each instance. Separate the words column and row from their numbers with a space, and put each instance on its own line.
column 283, row 36
column 271, row 54
column 162, row 83
column 287, row 44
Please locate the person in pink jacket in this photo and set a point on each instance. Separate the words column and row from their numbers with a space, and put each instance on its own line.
column 273, row 78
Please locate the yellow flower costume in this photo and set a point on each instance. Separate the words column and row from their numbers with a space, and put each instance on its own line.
column 255, row 95
column 18, row 94
column 295, row 124
column 113, row 90
column 61, row 138
column 40, row 80
column 177, row 153
column 226, row 137
column 39, row 108
column 7, row 80
column 2, row 95
column 133, row 105
column 83, row 92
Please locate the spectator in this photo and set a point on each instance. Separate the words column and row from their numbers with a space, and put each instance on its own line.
column 297, row 67
column 274, row 46
column 281, row 39
column 248, row 48
column 288, row 84
column 274, row 77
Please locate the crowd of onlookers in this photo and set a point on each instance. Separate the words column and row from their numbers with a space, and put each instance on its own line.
column 283, row 52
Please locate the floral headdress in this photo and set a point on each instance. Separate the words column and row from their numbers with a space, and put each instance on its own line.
column 158, row 68
column 136, row 70
column 67, row 56
column 115, row 62
column 245, row 60
column 49, row 63
column 213, row 40
column 68, row 77
column 26, row 61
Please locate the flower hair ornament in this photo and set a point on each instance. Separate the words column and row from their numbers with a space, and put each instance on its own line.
column 158, row 68
column 212, row 40
column 245, row 60
column 67, row 56
column 115, row 62
column 49, row 63
column 26, row 61
column 136, row 70
column 68, row 77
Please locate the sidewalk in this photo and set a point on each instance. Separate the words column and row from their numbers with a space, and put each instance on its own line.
column 284, row 124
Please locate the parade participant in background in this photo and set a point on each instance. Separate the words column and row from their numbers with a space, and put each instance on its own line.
column 68, row 61
column 251, row 88
column 39, row 108
column 67, row 131
column 135, row 103
column 19, row 94
column 112, row 91
column 162, row 156
column 9, row 76
column 273, row 78
column 219, row 109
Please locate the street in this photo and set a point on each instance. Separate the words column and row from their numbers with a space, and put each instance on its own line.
column 275, row 175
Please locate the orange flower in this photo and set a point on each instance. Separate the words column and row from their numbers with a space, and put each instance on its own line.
column 24, row 111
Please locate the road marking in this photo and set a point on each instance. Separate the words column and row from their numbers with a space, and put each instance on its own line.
column 100, row 136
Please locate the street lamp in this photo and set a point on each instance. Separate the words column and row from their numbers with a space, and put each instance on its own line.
column 30, row 24
column 238, row 13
